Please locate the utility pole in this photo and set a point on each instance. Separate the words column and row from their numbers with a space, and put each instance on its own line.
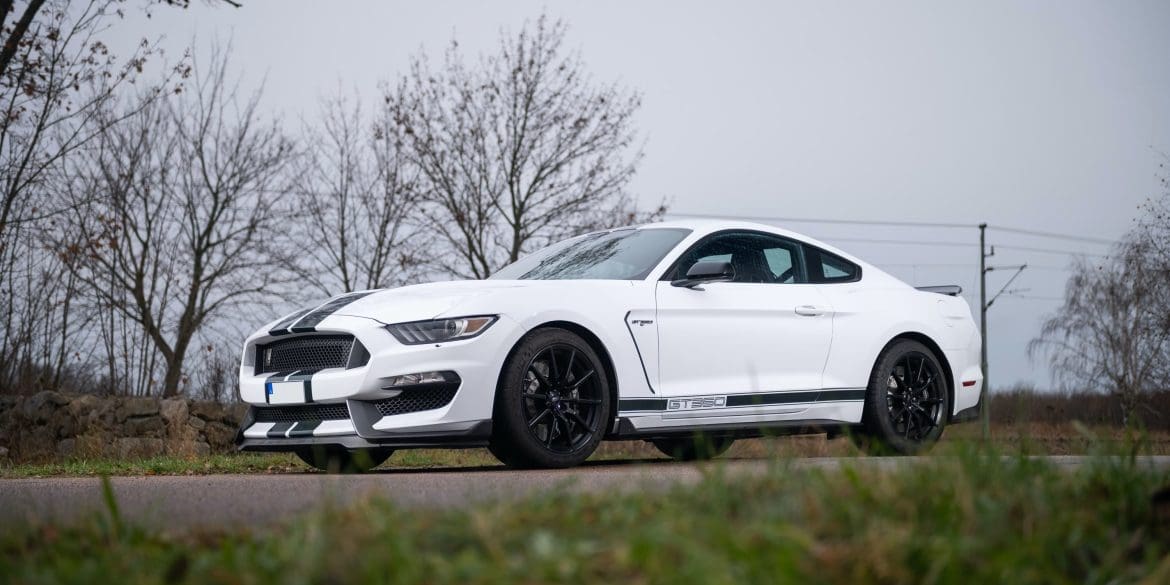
column 984, row 305
column 984, row 411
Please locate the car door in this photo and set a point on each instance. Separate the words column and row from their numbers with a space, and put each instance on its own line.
column 765, row 331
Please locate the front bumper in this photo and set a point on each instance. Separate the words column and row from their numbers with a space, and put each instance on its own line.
column 362, row 397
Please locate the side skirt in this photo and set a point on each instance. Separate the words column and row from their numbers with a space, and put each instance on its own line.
column 626, row 430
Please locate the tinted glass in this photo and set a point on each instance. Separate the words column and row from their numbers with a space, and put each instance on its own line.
column 827, row 267
column 624, row 254
column 757, row 258
column 781, row 263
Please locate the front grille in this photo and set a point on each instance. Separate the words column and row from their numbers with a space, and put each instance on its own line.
column 306, row 354
column 302, row 413
column 417, row 399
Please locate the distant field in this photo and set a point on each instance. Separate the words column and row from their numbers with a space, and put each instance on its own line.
column 1034, row 438
column 975, row 517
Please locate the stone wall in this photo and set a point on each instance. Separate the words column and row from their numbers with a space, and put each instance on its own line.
column 53, row 426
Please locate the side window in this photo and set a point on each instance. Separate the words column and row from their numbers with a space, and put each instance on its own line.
column 781, row 263
column 825, row 267
column 757, row 258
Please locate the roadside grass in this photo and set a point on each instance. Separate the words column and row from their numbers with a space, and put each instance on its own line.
column 974, row 517
column 1033, row 439
column 161, row 465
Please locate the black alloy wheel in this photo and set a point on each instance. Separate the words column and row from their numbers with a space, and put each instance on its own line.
column 914, row 393
column 552, row 405
column 906, row 403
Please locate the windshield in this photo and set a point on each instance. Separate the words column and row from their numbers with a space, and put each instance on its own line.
column 622, row 254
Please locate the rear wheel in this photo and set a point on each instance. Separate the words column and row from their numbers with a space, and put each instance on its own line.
column 552, row 404
column 342, row 460
column 906, row 403
column 698, row 447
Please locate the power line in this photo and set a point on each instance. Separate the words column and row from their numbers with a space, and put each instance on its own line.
column 963, row 245
column 1058, row 236
column 1048, row 251
column 901, row 242
column 922, row 224
column 832, row 221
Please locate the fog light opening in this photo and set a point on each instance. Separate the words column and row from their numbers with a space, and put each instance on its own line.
column 394, row 382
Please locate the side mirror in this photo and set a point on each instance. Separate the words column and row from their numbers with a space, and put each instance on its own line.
column 704, row 272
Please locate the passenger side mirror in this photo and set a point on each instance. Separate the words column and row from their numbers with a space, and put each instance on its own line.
column 704, row 272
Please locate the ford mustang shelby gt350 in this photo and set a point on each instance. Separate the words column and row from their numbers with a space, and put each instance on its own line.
column 685, row 334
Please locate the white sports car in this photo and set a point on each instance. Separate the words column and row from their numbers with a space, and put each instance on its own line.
column 685, row 334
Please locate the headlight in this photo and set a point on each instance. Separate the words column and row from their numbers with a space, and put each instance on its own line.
column 439, row 330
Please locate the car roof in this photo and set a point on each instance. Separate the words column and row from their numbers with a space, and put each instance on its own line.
column 704, row 226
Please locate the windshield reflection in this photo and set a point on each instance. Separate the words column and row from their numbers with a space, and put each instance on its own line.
column 623, row 254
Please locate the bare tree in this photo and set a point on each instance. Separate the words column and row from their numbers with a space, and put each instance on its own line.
column 1113, row 332
column 25, row 28
column 357, row 199
column 55, row 76
column 521, row 149
column 175, row 205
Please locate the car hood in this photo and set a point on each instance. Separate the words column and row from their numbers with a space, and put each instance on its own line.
column 446, row 299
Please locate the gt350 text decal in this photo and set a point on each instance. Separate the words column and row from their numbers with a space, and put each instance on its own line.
column 740, row 400
column 698, row 403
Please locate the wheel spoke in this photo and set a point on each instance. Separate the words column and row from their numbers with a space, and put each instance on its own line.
column 535, row 396
column 579, row 420
column 554, row 369
column 929, row 380
column 581, row 400
column 925, row 425
column 577, row 383
column 549, row 437
column 536, row 419
column 567, row 432
column 569, row 368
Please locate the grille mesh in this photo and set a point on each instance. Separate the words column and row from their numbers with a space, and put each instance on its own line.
column 305, row 354
column 305, row 413
column 417, row 399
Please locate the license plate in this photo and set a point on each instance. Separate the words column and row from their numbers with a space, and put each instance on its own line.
column 291, row 392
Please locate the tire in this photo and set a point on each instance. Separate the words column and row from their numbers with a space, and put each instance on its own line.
column 342, row 460
column 906, row 403
column 698, row 447
column 550, row 413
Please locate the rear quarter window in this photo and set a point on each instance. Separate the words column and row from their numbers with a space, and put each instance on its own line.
column 826, row 267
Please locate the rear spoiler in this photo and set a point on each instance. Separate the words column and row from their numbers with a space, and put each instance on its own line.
column 951, row 290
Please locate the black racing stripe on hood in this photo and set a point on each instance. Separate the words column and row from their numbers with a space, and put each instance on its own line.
column 282, row 327
column 308, row 323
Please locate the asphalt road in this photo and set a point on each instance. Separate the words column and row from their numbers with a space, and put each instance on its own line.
column 221, row 501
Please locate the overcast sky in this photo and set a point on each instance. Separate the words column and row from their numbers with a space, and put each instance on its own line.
column 1040, row 115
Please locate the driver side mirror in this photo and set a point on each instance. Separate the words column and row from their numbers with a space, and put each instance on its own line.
column 705, row 272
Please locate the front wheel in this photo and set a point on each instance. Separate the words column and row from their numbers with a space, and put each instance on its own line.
column 552, row 403
column 342, row 460
column 906, row 404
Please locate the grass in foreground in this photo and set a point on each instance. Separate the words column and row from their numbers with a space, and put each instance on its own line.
column 972, row 518
column 1034, row 439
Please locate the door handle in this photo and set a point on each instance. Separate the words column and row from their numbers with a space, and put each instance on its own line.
column 809, row 311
